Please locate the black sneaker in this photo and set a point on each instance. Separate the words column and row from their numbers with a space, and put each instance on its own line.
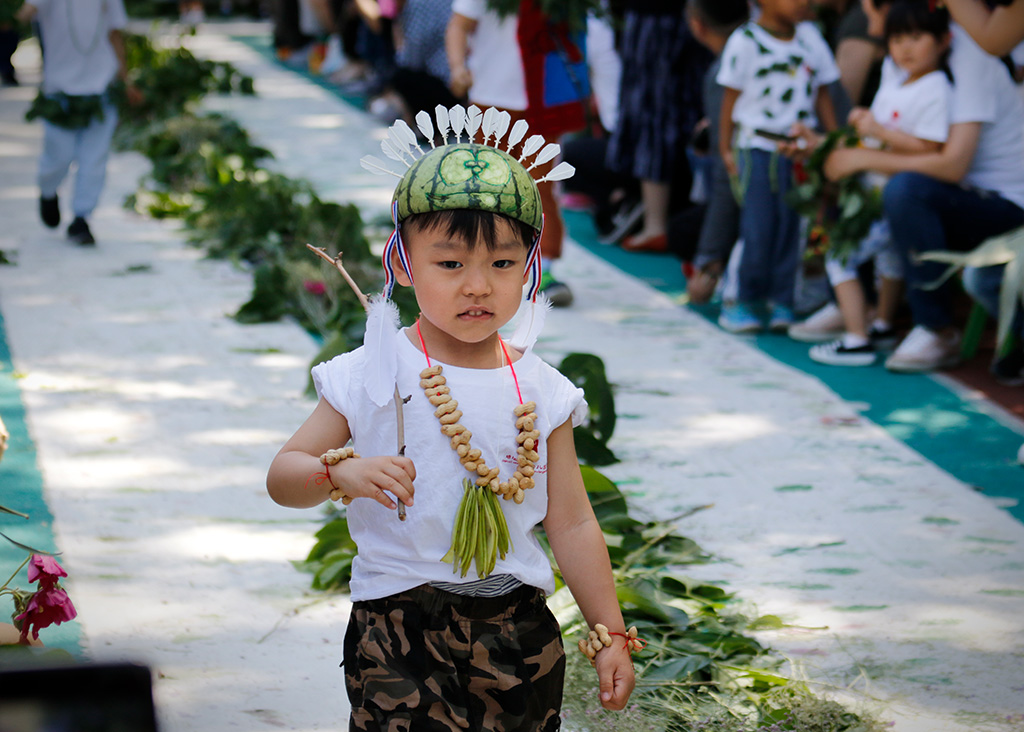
column 79, row 232
column 49, row 211
column 836, row 354
column 1009, row 369
column 883, row 340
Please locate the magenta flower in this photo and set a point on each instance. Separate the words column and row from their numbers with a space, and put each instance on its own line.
column 47, row 607
column 45, row 569
column 315, row 287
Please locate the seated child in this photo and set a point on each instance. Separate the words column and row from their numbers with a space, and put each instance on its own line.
column 427, row 648
column 910, row 114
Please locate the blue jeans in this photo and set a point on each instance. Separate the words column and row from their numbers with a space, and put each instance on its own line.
column 926, row 215
column 89, row 148
column 769, row 228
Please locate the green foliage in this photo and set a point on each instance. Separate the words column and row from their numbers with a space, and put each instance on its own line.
column 587, row 372
column 8, row 10
column 171, row 79
column 72, row 112
column 841, row 213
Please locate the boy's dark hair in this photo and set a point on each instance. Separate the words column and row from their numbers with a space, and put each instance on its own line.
column 721, row 16
column 911, row 16
column 470, row 225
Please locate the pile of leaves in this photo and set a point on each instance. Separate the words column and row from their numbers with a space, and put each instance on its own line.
column 207, row 173
column 841, row 213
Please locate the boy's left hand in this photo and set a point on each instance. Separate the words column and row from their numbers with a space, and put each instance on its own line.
column 615, row 676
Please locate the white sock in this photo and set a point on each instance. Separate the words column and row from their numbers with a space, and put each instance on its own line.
column 851, row 340
column 881, row 325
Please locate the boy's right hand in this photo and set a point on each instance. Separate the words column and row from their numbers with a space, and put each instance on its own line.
column 376, row 477
column 615, row 675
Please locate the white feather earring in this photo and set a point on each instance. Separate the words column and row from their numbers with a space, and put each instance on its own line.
column 381, row 342
column 531, row 322
column 426, row 127
column 443, row 123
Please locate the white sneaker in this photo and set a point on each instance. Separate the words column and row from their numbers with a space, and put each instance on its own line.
column 823, row 326
column 924, row 350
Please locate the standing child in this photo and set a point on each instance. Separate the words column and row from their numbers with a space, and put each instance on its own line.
column 910, row 115
column 774, row 71
column 426, row 648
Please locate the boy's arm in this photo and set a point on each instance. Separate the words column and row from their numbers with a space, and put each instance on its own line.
column 456, row 44
column 726, row 128
column 290, row 479
column 582, row 557
column 825, row 109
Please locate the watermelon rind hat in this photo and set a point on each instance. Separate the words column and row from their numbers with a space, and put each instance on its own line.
column 490, row 175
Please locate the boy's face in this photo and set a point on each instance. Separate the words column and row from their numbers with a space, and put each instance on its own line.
column 465, row 293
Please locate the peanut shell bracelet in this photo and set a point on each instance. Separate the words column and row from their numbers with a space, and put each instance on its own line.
column 599, row 638
column 333, row 457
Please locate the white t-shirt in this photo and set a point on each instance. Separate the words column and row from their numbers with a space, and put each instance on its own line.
column 984, row 92
column 394, row 555
column 494, row 57
column 920, row 108
column 78, row 58
column 778, row 80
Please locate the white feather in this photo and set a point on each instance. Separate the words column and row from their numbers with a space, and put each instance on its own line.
column 457, row 116
column 443, row 123
column 531, row 146
column 490, row 123
column 399, row 142
column 426, row 126
column 381, row 344
column 530, row 323
column 518, row 132
column 473, row 119
column 559, row 172
column 501, row 126
column 405, row 132
column 388, row 148
column 548, row 153
column 375, row 166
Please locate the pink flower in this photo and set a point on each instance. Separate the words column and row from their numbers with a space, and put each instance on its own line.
column 47, row 607
column 315, row 287
column 45, row 569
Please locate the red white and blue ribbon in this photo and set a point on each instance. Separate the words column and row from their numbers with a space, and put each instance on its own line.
column 394, row 246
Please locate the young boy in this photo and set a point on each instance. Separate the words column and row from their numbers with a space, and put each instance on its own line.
column 426, row 649
column 775, row 72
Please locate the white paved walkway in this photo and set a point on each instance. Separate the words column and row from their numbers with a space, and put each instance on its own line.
column 156, row 415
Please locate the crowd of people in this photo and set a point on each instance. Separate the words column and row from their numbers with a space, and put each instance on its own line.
column 686, row 120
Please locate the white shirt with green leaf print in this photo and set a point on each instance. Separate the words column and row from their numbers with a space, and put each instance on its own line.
column 778, row 80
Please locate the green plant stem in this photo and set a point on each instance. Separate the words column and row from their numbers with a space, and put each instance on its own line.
column 11, row 578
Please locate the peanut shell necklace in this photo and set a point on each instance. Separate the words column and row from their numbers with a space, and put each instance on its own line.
column 480, row 532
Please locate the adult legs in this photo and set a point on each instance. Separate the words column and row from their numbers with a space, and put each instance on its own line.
column 925, row 215
column 58, row 152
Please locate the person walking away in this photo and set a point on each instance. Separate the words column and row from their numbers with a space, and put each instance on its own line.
column 84, row 57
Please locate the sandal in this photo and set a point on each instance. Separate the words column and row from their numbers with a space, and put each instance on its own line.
column 658, row 243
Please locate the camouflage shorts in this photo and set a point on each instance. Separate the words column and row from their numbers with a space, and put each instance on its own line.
column 430, row 661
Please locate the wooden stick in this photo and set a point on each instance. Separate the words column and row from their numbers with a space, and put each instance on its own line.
column 399, row 401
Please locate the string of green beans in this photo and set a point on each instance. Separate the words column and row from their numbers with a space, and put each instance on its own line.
column 480, row 532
